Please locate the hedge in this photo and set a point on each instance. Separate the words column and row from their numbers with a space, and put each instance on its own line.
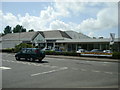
column 22, row 45
column 61, row 53
column 116, row 55
column 17, row 48
column 9, row 50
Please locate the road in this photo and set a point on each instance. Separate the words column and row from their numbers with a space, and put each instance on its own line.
column 58, row 73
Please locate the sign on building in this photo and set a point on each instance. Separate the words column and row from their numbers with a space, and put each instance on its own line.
column 112, row 38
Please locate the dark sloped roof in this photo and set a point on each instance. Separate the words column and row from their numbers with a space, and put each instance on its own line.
column 65, row 35
column 42, row 34
column 55, row 34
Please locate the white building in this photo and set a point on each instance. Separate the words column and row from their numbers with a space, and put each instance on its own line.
column 60, row 40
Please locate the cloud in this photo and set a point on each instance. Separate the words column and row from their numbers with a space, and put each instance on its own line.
column 9, row 19
column 65, row 8
column 57, row 24
column 50, row 17
column 91, row 34
column 106, row 19
column 32, row 22
column 48, row 13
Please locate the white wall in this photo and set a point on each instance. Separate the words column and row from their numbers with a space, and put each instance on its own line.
column 39, row 39
column 9, row 44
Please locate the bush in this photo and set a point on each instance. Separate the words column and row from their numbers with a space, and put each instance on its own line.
column 9, row 50
column 22, row 45
column 116, row 55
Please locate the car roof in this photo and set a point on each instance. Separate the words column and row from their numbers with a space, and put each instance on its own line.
column 30, row 48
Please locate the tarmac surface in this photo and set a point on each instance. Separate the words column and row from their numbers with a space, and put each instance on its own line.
column 59, row 72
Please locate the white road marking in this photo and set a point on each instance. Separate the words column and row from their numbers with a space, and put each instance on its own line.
column 104, row 64
column 95, row 71
column 108, row 72
column 49, row 66
column 28, row 63
column 52, row 71
column 54, row 66
column 5, row 68
column 83, row 69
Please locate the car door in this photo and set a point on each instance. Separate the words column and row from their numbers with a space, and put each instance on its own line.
column 28, row 53
column 23, row 53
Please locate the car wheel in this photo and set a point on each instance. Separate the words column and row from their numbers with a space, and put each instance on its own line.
column 40, row 60
column 31, row 59
column 17, row 58
column 26, row 58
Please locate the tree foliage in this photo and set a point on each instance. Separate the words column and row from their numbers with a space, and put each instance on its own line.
column 7, row 30
column 22, row 45
column 31, row 30
column 18, row 28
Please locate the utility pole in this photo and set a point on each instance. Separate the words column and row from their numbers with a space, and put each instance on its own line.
column 19, row 35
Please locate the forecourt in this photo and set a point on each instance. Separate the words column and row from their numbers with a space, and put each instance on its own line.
column 58, row 73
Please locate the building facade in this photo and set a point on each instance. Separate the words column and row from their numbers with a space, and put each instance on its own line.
column 59, row 40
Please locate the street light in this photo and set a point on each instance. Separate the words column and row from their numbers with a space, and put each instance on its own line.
column 19, row 35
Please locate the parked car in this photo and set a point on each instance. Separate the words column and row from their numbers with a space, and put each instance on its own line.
column 96, row 50
column 47, row 49
column 107, row 51
column 81, row 50
column 30, row 54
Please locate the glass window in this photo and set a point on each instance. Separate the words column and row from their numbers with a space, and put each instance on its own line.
column 24, row 51
column 29, row 51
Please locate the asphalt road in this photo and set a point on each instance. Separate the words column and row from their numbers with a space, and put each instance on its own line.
column 58, row 73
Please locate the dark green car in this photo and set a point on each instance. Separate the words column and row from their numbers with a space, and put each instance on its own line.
column 30, row 54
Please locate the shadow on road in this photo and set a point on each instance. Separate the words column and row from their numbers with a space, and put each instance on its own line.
column 36, row 61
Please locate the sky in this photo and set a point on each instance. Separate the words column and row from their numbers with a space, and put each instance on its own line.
column 95, row 19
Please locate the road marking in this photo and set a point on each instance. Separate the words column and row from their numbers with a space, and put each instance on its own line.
column 54, row 66
column 35, row 64
column 95, row 71
column 104, row 64
column 5, row 68
column 108, row 72
column 50, row 66
column 83, row 69
column 52, row 71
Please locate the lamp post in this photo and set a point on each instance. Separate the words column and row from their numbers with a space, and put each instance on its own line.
column 19, row 35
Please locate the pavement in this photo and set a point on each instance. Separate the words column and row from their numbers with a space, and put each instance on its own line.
column 84, row 58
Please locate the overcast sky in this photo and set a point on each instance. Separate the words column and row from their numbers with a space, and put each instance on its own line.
column 93, row 19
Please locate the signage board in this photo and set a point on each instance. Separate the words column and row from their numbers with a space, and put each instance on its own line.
column 96, row 54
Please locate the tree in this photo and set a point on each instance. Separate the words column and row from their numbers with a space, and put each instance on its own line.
column 22, row 45
column 18, row 28
column 7, row 30
column 31, row 30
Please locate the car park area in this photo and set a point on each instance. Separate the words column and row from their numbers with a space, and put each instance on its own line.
column 58, row 73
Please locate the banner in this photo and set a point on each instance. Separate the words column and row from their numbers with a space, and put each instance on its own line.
column 96, row 54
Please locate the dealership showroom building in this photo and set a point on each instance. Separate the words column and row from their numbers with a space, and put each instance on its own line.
column 59, row 40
